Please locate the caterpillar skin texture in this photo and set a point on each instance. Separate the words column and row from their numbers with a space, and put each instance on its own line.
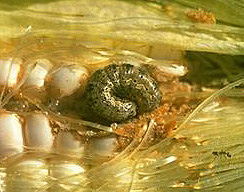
column 119, row 92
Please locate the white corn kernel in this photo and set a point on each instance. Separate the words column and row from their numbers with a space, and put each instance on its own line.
column 26, row 176
column 66, row 143
column 102, row 146
column 66, row 80
column 9, row 72
column 11, row 141
column 37, row 131
column 59, row 169
column 37, row 75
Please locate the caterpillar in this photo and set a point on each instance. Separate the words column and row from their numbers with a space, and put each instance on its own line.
column 119, row 92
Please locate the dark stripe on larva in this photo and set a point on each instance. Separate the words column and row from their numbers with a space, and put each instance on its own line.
column 119, row 92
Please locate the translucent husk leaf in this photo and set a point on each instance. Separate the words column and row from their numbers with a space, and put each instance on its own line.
column 143, row 21
column 179, row 163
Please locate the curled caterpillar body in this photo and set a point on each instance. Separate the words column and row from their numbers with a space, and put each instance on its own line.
column 119, row 92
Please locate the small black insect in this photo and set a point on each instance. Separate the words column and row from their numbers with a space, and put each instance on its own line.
column 221, row 153
column 120, row 92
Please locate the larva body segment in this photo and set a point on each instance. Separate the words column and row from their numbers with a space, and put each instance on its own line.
column 103, row 100
column 120, row 92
